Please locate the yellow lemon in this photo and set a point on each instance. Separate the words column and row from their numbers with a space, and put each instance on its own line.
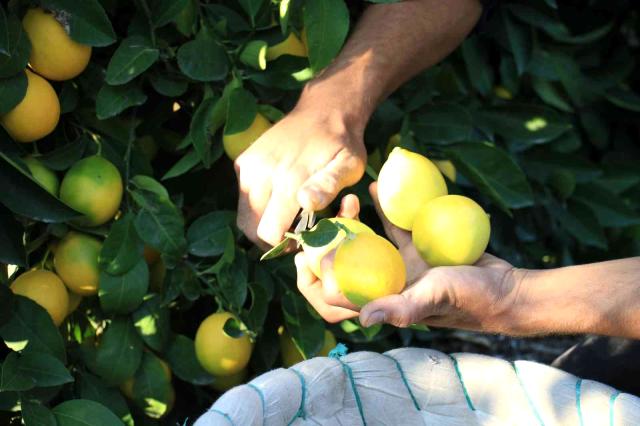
column 367, row 267
column 54, row 55
column 292, row 45
column 447, row 168
column 451, row 230
column 36, row 115
column 43, row 175
column 290, row 353
column 76, row 262
column 315, row 254
column 406, row 181
column 93, row 187
column 236, row 143
column 46, row 289
column 219, row 353
column 224, row 383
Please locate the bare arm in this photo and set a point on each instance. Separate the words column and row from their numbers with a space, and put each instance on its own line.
column 318, row 149
column 599, row 298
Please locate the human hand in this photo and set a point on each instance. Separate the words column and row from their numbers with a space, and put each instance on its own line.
column 303, row 161
column 476, row 297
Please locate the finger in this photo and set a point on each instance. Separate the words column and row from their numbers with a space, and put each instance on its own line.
column 349, row 207
column 330, row 289
column 397, row 310
column 311, row 289
column 397, row 235
column 281, row 209
column 253, row 197
column 321, row 188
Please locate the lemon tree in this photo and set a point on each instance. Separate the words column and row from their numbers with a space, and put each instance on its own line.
column 117, row 141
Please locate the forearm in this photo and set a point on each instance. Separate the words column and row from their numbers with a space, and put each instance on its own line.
column 391, row 44
column 599, row 298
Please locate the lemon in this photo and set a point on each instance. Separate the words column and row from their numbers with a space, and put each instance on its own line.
column 367, row 267
column 54, row 55
column 76, row 262
column 219, row 353
column 236, row 143
column 46, row 289
column 406, row 181
column 502, row 93
column 44, row 176
column 451, row 230
column 447, row 168
column 290, row 353
column 315, row 254
column 36, row 115
column 292, row 45
column 224, row 383
column 74, row 302
column 93, row 187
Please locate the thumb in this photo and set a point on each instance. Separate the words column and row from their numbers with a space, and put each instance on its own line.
column 396, row 310
column 321, row 188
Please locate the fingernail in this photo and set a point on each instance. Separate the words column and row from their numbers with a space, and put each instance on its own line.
column 376, row 317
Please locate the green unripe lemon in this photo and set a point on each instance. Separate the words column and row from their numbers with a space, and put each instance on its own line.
column 451, row 230
column 43, row 175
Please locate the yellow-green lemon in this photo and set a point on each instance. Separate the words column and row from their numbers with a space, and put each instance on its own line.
column 451, row 230
column 406, row 181
column 236, row 143
column 76, row 262
column 92, row 186
column 367, row 267
column 43, row 175
column 218, row 352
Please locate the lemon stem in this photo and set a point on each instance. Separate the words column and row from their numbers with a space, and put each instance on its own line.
column 293, row 236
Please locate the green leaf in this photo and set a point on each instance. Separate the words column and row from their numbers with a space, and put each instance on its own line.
column 623, row 98
column 207, row 235
column 23, row 195
column 112, row 100
column 225, row 19
column 251, row 7
column 18, row 47
column 166, row 11
column 12, row 250
column 160, row 223
column 122, row 294
column 66, row 155
column 608, row 208
column 321, row 234
column 183, row 165
column 181, row 355
column 285, row 73
column 533, row 124
column 118, row 355
column 133, row 57
column 542, row 164
column 442, row 124
column 152, row 321
column 519, row 38
column 152, row 390
column 232, row 280
column 4, row 35
column 210, row 67
column 150, row 184
column 327, row 25
column 12, row 91
column 241, row 111
column 83, row 412
column 34, row 413
column 277, row 250
column 200, row 129
column 259, row 308
column 88, row 21
column 305, row 329
column 122, row 248
column 548, row 92
column 93, row 388
column 44, row 369
column 169, row 84
column 12, row 377
column 494, row 172
column 31, row 329
column 580, row 222
column 478, row 70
